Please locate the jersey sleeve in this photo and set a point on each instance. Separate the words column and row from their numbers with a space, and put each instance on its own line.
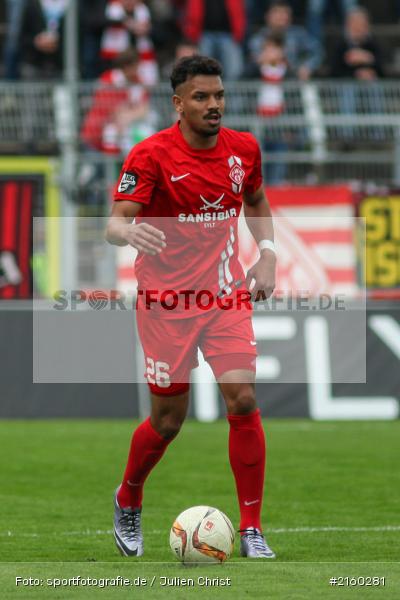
column 254, row 180
column 138, row 177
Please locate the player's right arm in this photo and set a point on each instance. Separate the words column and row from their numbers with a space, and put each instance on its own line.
column 137, row 180
column 121, row 230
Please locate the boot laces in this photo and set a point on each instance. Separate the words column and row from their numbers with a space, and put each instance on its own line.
column 255, row 539
column 130, row 525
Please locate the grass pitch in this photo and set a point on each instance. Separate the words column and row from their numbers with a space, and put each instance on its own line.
column 332, row 509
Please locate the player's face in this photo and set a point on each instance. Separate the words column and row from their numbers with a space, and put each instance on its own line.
column 200, row 103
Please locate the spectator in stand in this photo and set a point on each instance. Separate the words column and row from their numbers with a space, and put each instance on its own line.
column 183, row 48
column 41, row 38
column 129, row 24
column 358, row 57
column 178, row 9
column 218, row 27
column 316, row 12
column 120, row 114
column 303, row 52
column 92, row 19
column 255, row 11
column 165, row 29
column 273, row 67
column 11, row 51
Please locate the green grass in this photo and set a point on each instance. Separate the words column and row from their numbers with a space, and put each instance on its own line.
column 57, row 480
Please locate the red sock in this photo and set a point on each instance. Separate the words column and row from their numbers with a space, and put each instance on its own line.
column 247, row 458
column 147, row 448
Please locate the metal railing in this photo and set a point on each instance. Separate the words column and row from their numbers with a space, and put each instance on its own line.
column 329, row 131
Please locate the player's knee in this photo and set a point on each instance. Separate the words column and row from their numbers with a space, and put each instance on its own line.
column 169, row 426
column 241, row 400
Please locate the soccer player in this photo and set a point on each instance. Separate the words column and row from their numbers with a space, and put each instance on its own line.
column 184, row 187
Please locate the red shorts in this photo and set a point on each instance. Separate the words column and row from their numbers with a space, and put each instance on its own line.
column 226, row 339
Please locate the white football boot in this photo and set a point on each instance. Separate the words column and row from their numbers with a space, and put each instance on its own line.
column 253, row 544
column 127, row 530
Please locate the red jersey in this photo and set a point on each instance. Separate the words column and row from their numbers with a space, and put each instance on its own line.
column 114, row 90
column 195, row 197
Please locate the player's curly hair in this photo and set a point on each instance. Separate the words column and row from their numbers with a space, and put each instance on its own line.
column 190, row 66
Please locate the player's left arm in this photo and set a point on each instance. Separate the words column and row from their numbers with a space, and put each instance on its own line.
column 258, row 217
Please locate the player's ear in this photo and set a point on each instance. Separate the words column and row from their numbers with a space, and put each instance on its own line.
column 177, row 100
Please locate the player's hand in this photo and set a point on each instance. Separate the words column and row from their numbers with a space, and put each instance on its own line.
column 145, row 238
column 263, row 276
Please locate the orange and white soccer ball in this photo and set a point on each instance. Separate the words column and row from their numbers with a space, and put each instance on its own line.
column 202, row 534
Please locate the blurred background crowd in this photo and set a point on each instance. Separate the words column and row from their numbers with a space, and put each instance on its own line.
column 264, row 38
column 128, row 48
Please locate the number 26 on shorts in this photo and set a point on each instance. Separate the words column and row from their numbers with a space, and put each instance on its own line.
column 157, row 372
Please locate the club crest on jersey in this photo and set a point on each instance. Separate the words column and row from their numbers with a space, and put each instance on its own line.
column 236, row 173
column 129, row 181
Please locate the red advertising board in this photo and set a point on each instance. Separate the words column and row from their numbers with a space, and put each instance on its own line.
column 16, row 198
column 315, row 231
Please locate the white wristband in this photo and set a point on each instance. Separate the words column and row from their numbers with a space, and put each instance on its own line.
column 266, row 245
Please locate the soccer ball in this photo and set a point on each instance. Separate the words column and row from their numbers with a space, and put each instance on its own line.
column 202, row 534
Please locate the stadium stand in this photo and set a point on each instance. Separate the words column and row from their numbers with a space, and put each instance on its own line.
column 312, row 112
column 33, row 115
